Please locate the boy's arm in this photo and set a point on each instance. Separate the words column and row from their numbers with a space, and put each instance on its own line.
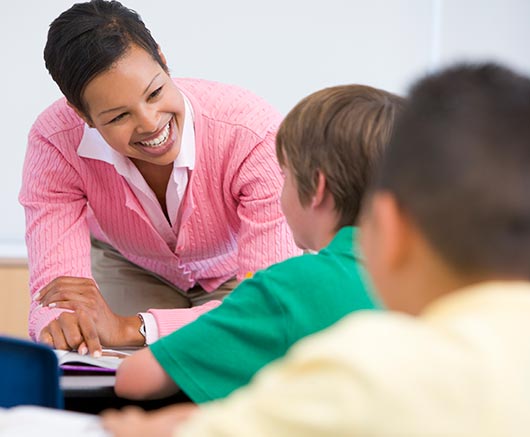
column 217, row 353
column 140, row 376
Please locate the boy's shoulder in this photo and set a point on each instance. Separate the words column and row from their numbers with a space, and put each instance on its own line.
column 394, row 360
column 337, row 262
column 393, row 349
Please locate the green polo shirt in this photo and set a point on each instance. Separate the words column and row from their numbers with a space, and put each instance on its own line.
column 263, row 317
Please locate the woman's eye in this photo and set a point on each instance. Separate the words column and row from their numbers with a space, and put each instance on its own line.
column 155, row 93
column 118, row 118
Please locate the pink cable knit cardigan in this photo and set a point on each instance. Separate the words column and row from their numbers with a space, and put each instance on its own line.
column 230, row 220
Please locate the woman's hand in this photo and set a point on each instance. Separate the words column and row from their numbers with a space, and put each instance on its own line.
column 90, row 324
column 133, row 421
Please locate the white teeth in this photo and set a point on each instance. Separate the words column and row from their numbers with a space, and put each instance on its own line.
column 156, row 142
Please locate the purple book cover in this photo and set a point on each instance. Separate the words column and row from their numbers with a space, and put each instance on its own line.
column 84, row 368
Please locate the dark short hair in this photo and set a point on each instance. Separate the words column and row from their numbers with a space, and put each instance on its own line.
column 340, row 131
column 459, row 165
column 88, row 39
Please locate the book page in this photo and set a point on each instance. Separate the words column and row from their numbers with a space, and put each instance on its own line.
column 110, row 359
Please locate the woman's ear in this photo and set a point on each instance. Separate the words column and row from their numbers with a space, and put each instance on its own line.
column 81, row 114
column 162, row 56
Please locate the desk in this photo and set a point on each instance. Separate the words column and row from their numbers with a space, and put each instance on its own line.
column 95, row 393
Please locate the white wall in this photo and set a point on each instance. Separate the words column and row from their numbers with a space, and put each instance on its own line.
column 280, row 49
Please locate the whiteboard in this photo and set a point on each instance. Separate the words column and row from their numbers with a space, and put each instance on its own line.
column 280, row 49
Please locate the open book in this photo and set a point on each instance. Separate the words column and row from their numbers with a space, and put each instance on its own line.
column 108, row 362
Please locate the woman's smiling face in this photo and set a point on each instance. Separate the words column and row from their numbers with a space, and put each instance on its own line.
column 137, row 108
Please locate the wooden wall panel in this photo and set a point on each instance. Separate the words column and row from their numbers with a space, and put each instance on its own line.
column 14, row 298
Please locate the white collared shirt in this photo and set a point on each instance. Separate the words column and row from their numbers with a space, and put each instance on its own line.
column 94, row 146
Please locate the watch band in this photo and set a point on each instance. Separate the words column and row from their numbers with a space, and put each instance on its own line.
column 141, row 329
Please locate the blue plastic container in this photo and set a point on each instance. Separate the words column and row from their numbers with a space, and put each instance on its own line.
column 29, row 374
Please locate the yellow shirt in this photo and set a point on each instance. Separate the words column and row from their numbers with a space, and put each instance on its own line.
column 461, row 369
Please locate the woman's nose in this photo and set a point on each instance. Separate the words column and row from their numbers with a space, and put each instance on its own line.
column 147, row 122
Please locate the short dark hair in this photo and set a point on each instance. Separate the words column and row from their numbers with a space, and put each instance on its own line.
column 459, row 165
column 88, row 39
column 340, row 131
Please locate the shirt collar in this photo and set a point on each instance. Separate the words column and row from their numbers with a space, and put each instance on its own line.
column 344, row 240
column 186, row 156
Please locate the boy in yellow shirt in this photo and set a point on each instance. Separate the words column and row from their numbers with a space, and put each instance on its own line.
column 446, row 236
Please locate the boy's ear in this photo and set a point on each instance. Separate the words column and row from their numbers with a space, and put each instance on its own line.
column 320, row 191
column 394, row 230
column 81, row 114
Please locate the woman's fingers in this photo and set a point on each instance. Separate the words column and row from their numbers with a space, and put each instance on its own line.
column 56, row 332
column 73, row 331
column 87, row 319
column 89, row 332
column 66, row 288
column 46, row 337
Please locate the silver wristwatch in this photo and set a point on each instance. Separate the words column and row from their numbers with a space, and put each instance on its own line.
column 141, row 330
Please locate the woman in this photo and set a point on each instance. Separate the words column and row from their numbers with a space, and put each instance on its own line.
column 141, row 191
